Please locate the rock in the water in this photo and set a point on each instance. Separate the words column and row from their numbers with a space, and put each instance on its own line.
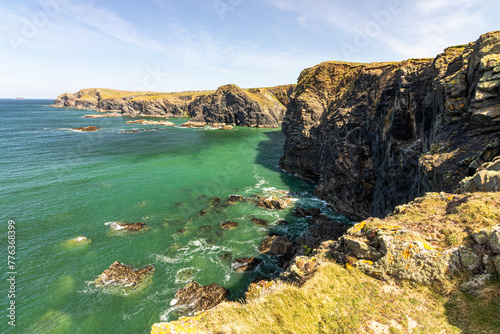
column 86, row 129
column 311, row 212
column 198, row 298
column 122, row 275
column 228, row 225
column 260, row 222
column 246, row 263
column 233, row 199
column 272, row 202
column 193, row 124
column 133, row 227
column 275, row 245
column 129, row 227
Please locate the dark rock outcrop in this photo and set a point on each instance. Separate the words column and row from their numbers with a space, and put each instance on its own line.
column 373, row 136
column 196, row 298
column 275, row 245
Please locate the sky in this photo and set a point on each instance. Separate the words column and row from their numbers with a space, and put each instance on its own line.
column 48, row 47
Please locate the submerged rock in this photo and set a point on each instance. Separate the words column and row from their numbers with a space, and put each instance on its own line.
column 275, row 245
column 246, row 263
column 122, row 275
column 196, row 298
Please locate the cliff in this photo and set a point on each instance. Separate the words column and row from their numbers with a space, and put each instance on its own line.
column 373, row 136
column 260, row 107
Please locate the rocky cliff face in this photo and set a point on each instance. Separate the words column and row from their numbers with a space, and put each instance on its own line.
column 374, row 136
column 234, row 106
column 260, row 107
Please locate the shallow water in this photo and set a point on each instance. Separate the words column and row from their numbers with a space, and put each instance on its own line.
column 59, row 184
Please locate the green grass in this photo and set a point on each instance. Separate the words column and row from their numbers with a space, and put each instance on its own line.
column 335, row 300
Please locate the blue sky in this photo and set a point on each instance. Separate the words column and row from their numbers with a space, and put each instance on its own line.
column 49, row 47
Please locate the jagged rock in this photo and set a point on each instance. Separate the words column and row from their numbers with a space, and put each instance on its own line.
column 494, row 239
column 311, row 212
column 228, row 225
column 321, row 231
column 196, row 298
column 120, row 274
column 246, row 263
column 272, row 202
column 86, row 129
column 235, row 106
column 374, row 136
column 360, row 249
column 486, row 179
column 476, row 284
column 275, row 245
column 496, row 262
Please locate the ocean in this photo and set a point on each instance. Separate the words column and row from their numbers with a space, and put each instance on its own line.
column 59, row 184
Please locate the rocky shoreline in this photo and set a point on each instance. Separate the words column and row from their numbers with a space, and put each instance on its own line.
column 424, row 132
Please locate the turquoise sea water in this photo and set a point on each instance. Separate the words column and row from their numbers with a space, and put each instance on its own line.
column 59, row 184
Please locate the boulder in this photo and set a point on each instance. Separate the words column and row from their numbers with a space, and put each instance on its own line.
column 193, row 124
column 195, row 298
column 233, row 199
column 123, row 275
column 228, row 225
column 360, row 249
column 494, row 239
column 275, row 245
column 246, row 263
column 476, row 284
column 132, row 227
column 272, row 202
column 260, row 222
